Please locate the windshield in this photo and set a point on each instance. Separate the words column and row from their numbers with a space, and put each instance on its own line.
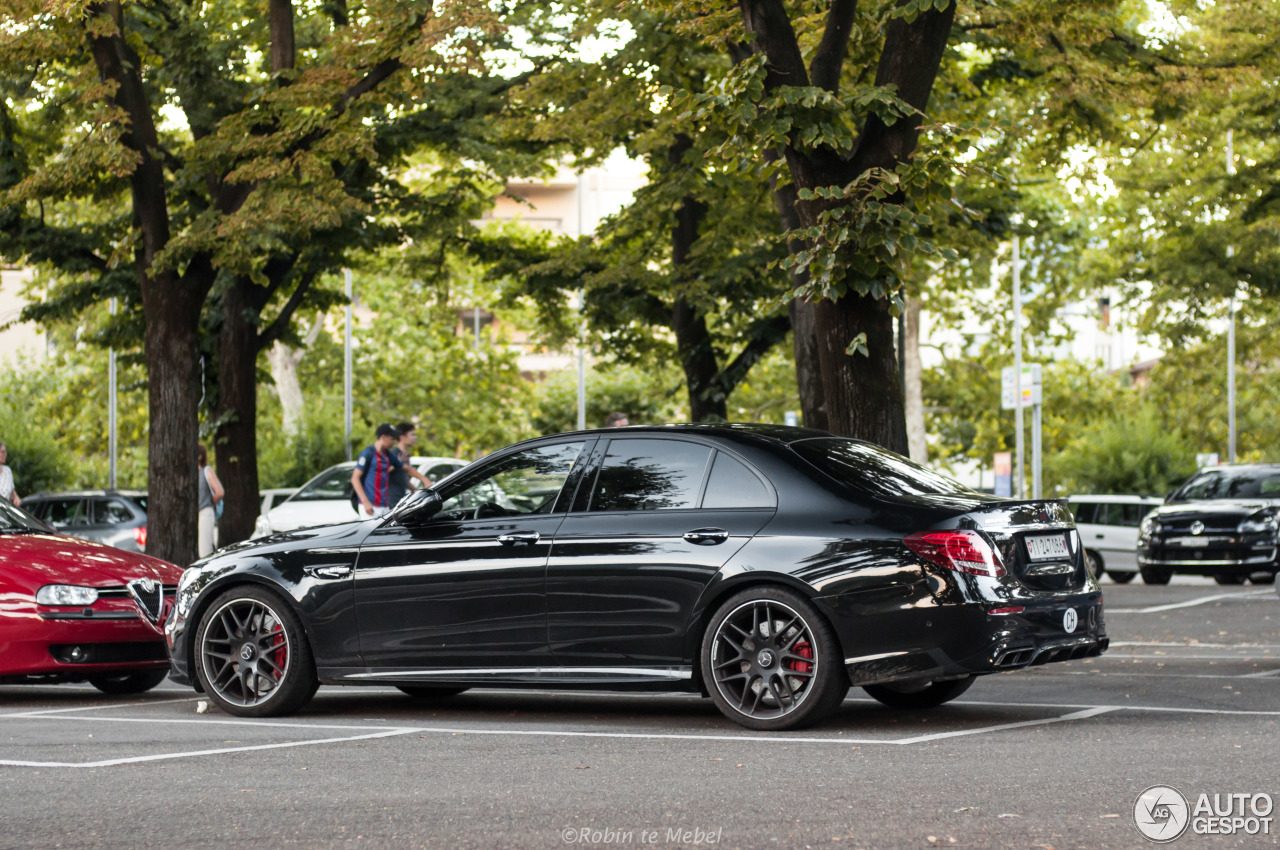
column 1243, row 483
column 334, row 484
column 12, row 519
column 876, row 471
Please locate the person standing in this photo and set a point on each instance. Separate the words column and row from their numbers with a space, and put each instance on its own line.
column 211, row 494
column 398, row 487
column 616, row 420
column 7, row 490
column 372, row 475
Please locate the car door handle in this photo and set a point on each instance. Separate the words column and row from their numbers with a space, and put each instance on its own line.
column 706, row 536
column 515, row 537
column 1100, row 536
column 331, row 571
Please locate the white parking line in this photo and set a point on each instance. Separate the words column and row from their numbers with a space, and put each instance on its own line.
column 1185, row 645
column 1246, row 595
column 223, row 750
column 1264, row 674
column 45, row 712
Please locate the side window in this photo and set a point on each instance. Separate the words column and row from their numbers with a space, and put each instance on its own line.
column 78, row 515
column 1085, row 511
column 36, row 509
column 111, row 512
column 524, row 483
column 439, row 471
column 647, row 475
column 732, row 485
column 61, row 513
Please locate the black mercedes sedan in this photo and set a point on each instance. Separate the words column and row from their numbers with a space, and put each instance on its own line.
column 1223, row 522
column 769, row 568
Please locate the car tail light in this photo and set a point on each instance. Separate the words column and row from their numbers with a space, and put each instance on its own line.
column 1017, row 609
column 140, row 535
column 962, row 551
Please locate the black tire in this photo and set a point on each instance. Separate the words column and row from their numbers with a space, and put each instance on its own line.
column 429, row 691
column 1122, row 576
column 1155, row 575
column 135, row 682
column 1095, row 564
column 1230, row 578
column 277, row 676
column 1262, row 578
column 764, row 639
column 915, row 697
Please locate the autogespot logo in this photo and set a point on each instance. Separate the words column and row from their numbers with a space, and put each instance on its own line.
column 1161, row 813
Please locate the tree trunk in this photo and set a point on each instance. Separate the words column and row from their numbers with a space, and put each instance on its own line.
column 804, row 330
column 237, row 442
column 284, row 369
column 173, row 383
column 913, row 378
column 863, row 394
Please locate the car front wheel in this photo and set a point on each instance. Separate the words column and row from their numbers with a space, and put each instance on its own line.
column 919, row 695
column 252, row 655
column 770, row 661
column 1229, row 578
column 135, row 682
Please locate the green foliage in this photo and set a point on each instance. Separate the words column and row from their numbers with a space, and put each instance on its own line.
column 644, row 396
column 291, row 462
column 1135, row 452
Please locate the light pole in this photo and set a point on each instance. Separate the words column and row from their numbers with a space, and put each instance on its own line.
column 346, row 366
column 112, row 427
column 1231, row 334
column 1017, row 370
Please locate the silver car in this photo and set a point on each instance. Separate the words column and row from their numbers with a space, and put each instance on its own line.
column 115, row 517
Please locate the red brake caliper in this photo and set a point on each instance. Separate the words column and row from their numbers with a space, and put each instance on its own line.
column 804, row 650
column 281, row 654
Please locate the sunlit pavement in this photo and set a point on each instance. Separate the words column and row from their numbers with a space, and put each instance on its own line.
column 1188, row 696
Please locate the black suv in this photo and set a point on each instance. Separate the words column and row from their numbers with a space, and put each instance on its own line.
column 115, row 517
column 1224, row 522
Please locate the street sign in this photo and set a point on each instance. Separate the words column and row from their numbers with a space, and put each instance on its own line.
column 791, row 418
column 1031, row 381
column 1207, row 459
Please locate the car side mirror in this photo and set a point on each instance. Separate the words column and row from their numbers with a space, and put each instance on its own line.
column 417, row 507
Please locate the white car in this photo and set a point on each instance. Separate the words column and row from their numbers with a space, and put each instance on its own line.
column 327, row 498
column 1108, row 527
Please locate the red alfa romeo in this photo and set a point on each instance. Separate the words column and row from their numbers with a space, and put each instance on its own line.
column 73, row 611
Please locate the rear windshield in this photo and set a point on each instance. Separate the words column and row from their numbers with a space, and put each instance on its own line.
column 1231, row 484
column 876, row 471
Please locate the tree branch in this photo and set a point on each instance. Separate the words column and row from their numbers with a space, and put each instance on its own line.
column 767, row 20
column 765, row 335
column 828, row 59
column 277, row 328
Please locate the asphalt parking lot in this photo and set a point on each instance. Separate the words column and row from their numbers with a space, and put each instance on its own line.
column 1052, row 757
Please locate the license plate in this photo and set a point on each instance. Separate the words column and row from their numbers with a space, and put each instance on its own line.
column 1186, row 541
column 1047, row 546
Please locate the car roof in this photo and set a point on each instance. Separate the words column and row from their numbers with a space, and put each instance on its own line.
column 1118, row 498
column 78, row 494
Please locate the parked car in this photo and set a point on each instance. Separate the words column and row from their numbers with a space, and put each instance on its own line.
column 329, row 497
column 1223, row 522
column 68, row 610
column 769, row 567
column 115, row 517
column 1108, row 525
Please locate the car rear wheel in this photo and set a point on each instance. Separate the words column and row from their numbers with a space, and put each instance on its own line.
column 135, row 682
column 1094, row 560
column 1229, row 578
column 1121, row 576
column 1263, row 578
column 1155, row 575
column 770, row 661
column 252, row 655
column 428, row 691
column 931, row 694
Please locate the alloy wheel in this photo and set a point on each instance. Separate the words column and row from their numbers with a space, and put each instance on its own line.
column 246, row 652
column 763, row 659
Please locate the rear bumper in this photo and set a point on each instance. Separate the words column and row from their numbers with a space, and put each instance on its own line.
column 966, row 640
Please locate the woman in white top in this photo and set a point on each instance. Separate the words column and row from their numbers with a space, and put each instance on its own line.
column 210, row 494
column 7, row 491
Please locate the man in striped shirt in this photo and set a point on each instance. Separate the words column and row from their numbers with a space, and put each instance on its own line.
column 373, row 471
